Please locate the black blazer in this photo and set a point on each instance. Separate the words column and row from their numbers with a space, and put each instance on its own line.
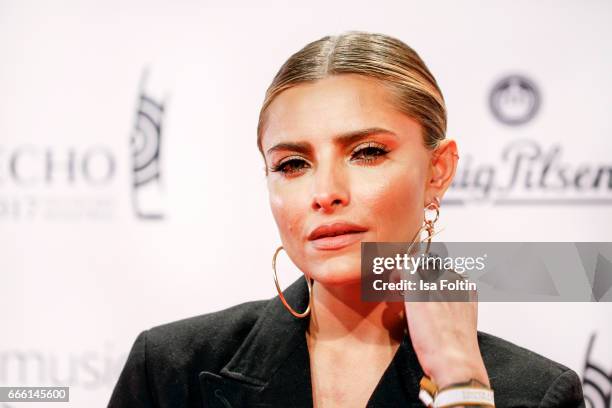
column 255, row 355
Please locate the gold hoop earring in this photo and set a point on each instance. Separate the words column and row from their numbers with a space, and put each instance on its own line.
column 280, row 292
column 428, row 224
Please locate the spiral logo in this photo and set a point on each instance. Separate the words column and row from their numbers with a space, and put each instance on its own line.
column 145, row 144
column 514, row 100
column 145, row 141
column 596, row 382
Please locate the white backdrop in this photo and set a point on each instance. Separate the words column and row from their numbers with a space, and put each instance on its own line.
column 83, row 274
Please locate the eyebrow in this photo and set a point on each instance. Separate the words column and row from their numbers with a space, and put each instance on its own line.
column 342, row 140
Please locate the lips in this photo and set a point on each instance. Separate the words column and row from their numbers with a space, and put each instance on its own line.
column 335, row 229
column 336, row 236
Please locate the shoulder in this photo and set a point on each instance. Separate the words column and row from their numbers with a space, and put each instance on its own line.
column 214, row 335
column 521, row 377
column 170, row 356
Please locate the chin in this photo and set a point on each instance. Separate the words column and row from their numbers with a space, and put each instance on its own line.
column 336, row 272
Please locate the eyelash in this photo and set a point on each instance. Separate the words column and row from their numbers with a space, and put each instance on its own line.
column 380, row 151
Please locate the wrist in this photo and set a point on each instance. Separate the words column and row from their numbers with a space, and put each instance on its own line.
column 472, row 393
column 458, row 373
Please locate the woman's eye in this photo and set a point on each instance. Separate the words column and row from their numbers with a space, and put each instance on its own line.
column 290, row 167
column 369, row 154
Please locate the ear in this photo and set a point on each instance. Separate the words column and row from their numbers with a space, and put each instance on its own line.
column 442, row 169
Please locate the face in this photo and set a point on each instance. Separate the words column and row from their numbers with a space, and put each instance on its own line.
column 345, row 164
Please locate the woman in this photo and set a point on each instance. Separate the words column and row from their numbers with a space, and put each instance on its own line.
column 352, row 134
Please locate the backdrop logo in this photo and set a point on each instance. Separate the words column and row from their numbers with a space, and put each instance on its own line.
column 86, row 370
column 145, row 145
column 514, row 100
column 528, row 172
column 597, row 384
column 56, row 182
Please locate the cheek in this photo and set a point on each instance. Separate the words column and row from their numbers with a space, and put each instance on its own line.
column 287, row 212
column 395, row 203
column 290, row 211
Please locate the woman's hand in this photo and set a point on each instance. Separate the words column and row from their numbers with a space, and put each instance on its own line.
column 444, row 337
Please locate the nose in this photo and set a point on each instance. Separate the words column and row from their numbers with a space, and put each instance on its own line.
column 330, row 190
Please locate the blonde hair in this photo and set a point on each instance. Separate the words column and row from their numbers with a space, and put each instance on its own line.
column 378, row 56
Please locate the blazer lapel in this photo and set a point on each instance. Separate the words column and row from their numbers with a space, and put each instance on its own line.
column 271, row 367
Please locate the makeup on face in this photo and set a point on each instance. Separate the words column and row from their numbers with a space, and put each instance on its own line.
column 344, row 167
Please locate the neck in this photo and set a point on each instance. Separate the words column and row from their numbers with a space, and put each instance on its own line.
column 339, row 314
